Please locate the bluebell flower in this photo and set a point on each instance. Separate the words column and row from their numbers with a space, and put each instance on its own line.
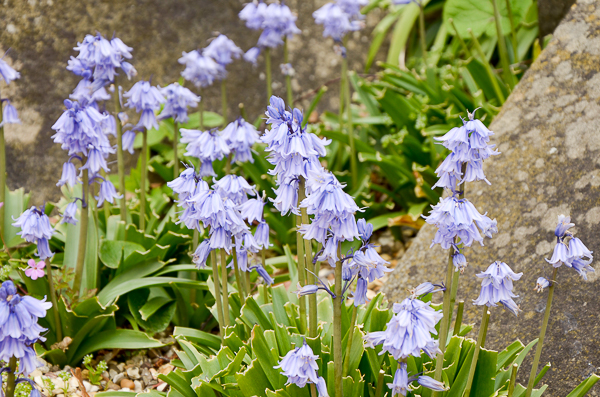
column 560, row 255
column 425, row 289
column 128, row 139
column 287, row 198
column 107, row 192
column 287, row 69
column 360, row 295
column 409, row 331
column 253, row 14
column 222, row 50
column 300, row 367
column 458, row 218
column 85, row 93
column 308, row 289
column 330, row 252
column 19, row 327
column 80, row 128
column 541, row 284
column 252, row 210
column 185, row 184
column 240, row 137
column 365, row 230
column 401, row 382
column 497, row 286
column 35, row 228
column 578, row 250
column 208, row 146
column 8, row 74
column 564, row 224
column 582, row 267
column 95, row 161
column 9, row 114
column 179, row 99
column 336, row 22
column 103, row 57
column 234, row 187
column 280, row 19
column 352, row 7
column 201, row 70
column 79, row 68
column 69, row 175
column 459, row 261
column 147, row 99
column 70, row 214
column 261, row 235
column 201, row 254
column 369, row 264
column 430, row 383
column 251, row 56
column 263, row 273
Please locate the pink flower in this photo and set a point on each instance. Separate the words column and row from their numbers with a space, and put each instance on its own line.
column 35, row 270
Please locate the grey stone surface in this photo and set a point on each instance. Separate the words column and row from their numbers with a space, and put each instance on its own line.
column 41, row 35
column 549, row 134
column 551, row 12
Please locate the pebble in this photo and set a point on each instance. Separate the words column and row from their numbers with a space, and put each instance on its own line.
column 126, row 383
column 161, row 387
column 114, row 386
column 117, row 378
column 146, row 376
column 166, row 369
column 35, row 373
column 112, row 373
column 133, row 373
column 137, row 386
column 121, row 367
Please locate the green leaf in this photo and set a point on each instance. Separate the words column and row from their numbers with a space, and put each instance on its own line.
column 381, row 221
column 123, row 288
column 152, row 305
column 483, row 382
column 199, row 337
column 479, row 16
column 14, row 204
column 111, row 251
column 261, row 350
column 159, row 320
column 253, row 381
column 115, row 339
column 584, row 386
column 402, row 30
column 379, row 33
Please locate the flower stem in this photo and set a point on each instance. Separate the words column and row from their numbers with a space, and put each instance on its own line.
column 513, row 31
column 224, row 101
column 485, row 319
column 268, row 70
column 301, row 258
column 460, row 39
column 83, row 229
column 540, row 345
column 288, row 78
column 143, row 179
column 337, row 329
column 349, row 124
column 350, row 337
column 309, row 265
column 513, row 380
column 2, row 176
column 224, row 277
column 194, row 275
column 459, row 317
column 422, row 33
column 201, row 114
column 175, row 156
column 215, row 274
column 10, row 377
column 58, row 326
column 508, row 75
column 445, row 325
column 379, row 389
column 238, row 278
column 120, row 160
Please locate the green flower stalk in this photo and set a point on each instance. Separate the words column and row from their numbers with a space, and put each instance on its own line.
column 224, row 101
column 288, row 77
column 268, row 72
column 175, row 155
column 346, row 98
column 337, row 329
column 83, row 231
column 224, row 278
column 120, row 159
column 218, row 300
column 11, row 378
column 52, row 291
column 144, row 178
column 480, row 343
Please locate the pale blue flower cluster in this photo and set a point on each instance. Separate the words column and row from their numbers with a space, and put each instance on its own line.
column 276, row 21
column 99, row 59
column 401, row 384
column 223, row 50
column 497, row 286
column 293, row 151
column 145, row 98
column 469, row 148
column 240, row 136
column 178, row 99
column 570, row 250
column 300, row 367
column 208, row 146
column 19, row 328
column 200, row 69
column 9, row 113
column 35, row 228
column 409, row 331
column 340, row 17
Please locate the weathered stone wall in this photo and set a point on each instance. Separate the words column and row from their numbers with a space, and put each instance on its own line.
column 41, row 35
column 549, row 134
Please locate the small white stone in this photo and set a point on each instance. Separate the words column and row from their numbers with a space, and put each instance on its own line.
column 133, row 373
column 87, row 385
column 553, row 150
column 138, row 386
column 117, row 378
column 94, row 389
column 162, row 386
column 125, row 389
column 35, row 373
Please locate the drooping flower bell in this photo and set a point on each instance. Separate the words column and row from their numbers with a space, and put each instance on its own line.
column 208, row 146
column 409, row 331
column 570, row 250
column 178, row 99
column 497, row 286
column 201, row 70
column 19, row 328
column 8, row 74
column 35, row 228
column 145, row 98
column 402, row 382
column 336, row 21
column 300, row 367
column 223, row 50
column 240, row 137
